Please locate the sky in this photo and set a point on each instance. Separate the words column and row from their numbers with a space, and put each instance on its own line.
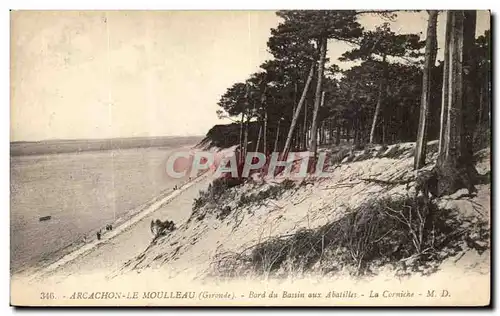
column 97, row 74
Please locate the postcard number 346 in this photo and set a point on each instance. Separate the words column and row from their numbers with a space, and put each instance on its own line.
column 47, row 295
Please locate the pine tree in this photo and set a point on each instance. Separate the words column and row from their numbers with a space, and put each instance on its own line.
column 455, row 168
column 379, row 45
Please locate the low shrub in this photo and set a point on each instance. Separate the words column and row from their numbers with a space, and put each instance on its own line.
column 210, row 199
column 215, row 191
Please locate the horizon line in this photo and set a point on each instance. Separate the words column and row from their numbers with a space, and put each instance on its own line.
column 97, row 139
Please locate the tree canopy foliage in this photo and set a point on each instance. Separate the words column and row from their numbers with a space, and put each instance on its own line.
column 300, row 99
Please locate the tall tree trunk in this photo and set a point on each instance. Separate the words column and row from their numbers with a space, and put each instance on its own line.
column 322, row 128
column 294, row 141
column 472, row 85
column 317, row 99
column 337, row 136
column 300, row 130
column 383, row 130
column 246, row 132
column 297, row 111
column 330, row 131
column 245, row 138
column 325, row 133
column 295, row 92
column 296, row 137
column 381, row 90
column 277, row 136
column 320, row 132
column 306, row 132
column 258, row 139
column 446, row 84
column 430, row 60
column 452, row 139
column 347, row 132
column 243, row 126
column 479, row 122
column 294, row 133
column 355, row 124
column 454, row 168
column 241, row 135
column 263, row 98
column 264, row 142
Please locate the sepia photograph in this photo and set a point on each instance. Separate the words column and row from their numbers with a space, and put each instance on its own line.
column 250, row 158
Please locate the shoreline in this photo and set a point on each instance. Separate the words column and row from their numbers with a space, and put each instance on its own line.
column 31, row 260
column 79, row 250
column 56, row 255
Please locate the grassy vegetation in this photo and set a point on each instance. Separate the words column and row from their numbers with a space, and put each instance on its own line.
column 412, row 234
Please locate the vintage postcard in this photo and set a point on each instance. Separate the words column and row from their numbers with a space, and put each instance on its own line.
column 250, row 158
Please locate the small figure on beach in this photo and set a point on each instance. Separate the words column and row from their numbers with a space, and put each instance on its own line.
column 98, row 235
column 175, row 187
column 109, row 227
column 159, row 228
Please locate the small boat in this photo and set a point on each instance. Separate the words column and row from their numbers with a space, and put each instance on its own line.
column 45, row 218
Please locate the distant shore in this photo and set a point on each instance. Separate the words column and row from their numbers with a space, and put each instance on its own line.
column 21, row 148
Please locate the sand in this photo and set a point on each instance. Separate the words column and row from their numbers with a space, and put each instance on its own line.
column 181, row 262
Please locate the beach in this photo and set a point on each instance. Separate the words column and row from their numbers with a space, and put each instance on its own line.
column 81, row 193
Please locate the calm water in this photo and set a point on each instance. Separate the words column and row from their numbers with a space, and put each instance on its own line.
column 82, row 192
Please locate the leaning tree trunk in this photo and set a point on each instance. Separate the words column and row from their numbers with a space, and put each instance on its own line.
column 430, row 60
column 381, row 90
column 454, row 168
column 317, row 98
column 258, row 139
column 297, row 111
